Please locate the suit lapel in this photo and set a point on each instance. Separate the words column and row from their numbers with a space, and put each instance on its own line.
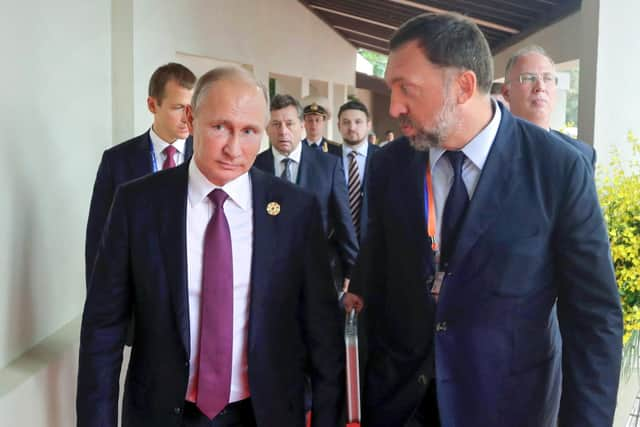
column 305, row 167
column 265, row 240
column 172, row 217
column 494, row 186
column 140, row 161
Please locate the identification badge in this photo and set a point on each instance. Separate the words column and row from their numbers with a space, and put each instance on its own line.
column 437, row 284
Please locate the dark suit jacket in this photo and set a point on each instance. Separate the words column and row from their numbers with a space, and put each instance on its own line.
column 364, row 212
column 121, row 163
column 141, row 266
column 323, row 176
column 325, row 144
column 586, row 150
column 533, row 242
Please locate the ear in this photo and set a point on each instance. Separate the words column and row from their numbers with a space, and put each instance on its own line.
column 188, row 112
column 368, row 125
column 466, row 85
column 151, row 104
column 506, row 94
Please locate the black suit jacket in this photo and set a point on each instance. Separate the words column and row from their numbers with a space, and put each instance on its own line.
column 364, row 212
column 141, row 268
column 532, row 261
column 121, row 163
column 585, row 149
column 323, row 176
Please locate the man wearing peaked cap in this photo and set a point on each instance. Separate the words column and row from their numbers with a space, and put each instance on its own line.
column 315, row 117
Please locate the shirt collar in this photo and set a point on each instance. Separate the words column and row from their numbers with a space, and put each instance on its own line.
column 160, row 144
column 362, row 148
column 478, row 148
column 239, row 189
column 294, row 155
column 318, row 142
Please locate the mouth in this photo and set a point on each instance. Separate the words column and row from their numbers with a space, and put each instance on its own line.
column 226, row 165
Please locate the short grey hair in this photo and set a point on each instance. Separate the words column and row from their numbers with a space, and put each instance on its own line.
column 523, row 52
column 207, row 80
column 283, row 101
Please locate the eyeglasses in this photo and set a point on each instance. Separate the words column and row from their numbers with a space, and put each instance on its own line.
column 531, row 79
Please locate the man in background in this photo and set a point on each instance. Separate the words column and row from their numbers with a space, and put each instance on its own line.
column 531, row 86
column 316, row 172
column 165, row 145
column 315, row 122
column 388, row 137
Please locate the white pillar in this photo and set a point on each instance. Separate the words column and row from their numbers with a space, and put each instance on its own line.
column 609, row 94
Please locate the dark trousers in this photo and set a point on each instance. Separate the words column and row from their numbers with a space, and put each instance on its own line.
column 236, row 414
column 427, row 414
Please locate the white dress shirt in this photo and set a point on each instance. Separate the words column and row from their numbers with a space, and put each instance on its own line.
column 361, row 158
column 318, row 142
column 238, row 209
column 294, row 164
column 158, row 150
column 476, row 152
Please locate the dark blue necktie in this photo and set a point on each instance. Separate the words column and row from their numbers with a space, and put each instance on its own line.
column 454, row 208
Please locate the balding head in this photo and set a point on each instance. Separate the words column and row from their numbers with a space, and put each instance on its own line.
column 227, row 119
column 225, row 74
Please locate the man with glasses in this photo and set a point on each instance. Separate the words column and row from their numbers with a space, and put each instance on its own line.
column 531, row 86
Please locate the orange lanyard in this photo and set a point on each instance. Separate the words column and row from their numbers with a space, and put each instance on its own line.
column 430, row 209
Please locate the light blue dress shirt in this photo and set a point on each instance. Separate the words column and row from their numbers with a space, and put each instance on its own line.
column 361, row 158
column 476, row 152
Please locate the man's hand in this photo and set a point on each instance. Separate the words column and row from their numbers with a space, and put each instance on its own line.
column 351, row 301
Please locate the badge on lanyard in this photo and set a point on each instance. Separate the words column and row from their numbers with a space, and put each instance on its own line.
column 430, row 209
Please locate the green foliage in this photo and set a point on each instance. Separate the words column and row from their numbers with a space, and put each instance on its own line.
column 619, row 192
column 378, row 60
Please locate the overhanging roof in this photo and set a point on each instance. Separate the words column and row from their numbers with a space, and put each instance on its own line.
column 369, row 24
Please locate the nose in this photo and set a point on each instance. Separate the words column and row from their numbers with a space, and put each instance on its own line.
column 396, row 105
column 232, row 147
column 539, row 84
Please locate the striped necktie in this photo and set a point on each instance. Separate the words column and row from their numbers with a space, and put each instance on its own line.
column 355, row 191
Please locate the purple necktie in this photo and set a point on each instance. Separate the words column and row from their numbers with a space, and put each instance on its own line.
column 169, row 162
column 216, row 313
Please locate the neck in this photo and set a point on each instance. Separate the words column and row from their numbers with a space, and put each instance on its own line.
column 357, row 145
column 163, row 136
column 473, row 119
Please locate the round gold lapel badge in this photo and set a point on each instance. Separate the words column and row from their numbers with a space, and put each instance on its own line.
column 273, row 208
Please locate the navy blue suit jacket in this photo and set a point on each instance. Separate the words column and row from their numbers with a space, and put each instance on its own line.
column 532, row 262
column 323, row 176
column 141, row 267
column 121, row 163
column 585, row 149
column 337, row 151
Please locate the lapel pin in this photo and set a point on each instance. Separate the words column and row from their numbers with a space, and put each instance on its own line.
column 273, row 208
column 324, row 147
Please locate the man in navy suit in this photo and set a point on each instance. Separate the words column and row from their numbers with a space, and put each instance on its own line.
column 485, row 242
column 320, row 174
column 165, row 144
column 354, row 124
column 226, row 270
column 531, row 87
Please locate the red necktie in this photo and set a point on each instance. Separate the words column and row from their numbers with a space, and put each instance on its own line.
column 216, row 313
column 169, row 162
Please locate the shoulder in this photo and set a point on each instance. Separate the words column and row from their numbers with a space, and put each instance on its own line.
column 334, row 147
column 576, row 143
column 140, row 142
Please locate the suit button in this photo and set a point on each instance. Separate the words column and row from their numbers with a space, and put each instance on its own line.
column 441, row 327
column 422, row 380
column 177, row 410
column 186, row 364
